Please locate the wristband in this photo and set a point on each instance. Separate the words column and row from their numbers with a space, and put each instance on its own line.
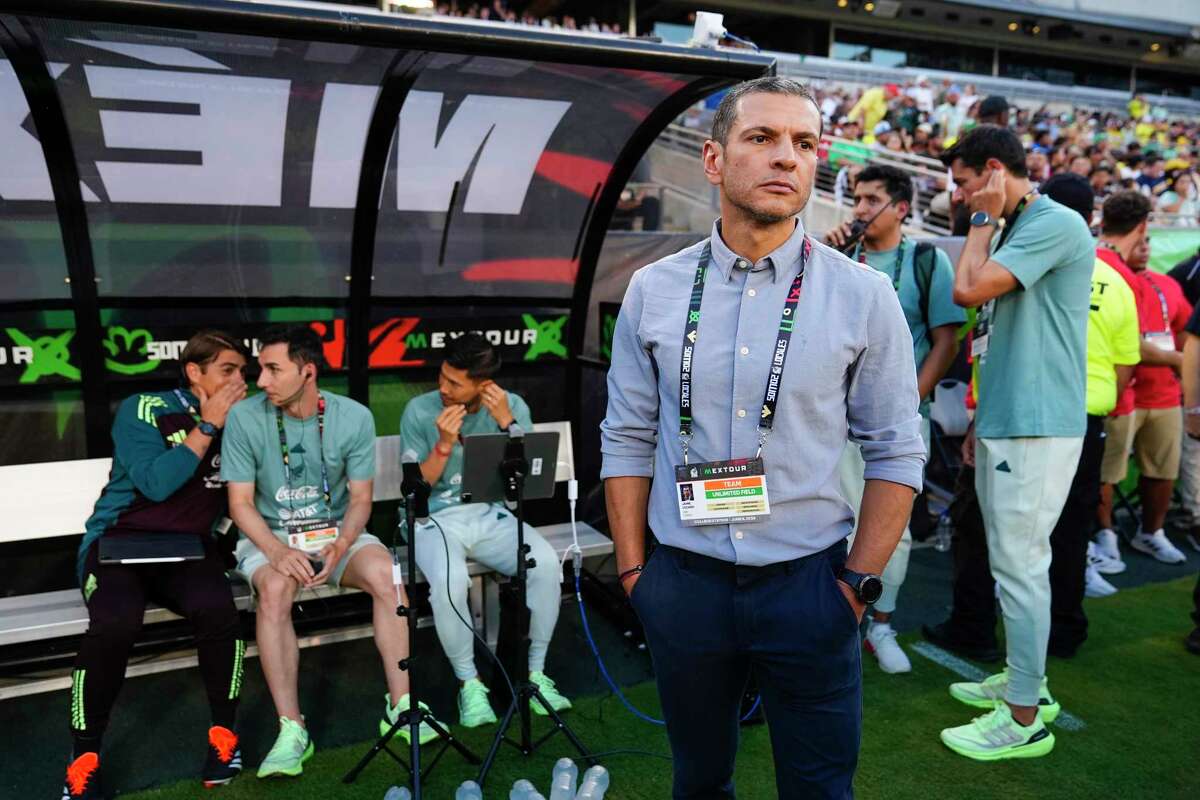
column 437, row 448
column 631, row 571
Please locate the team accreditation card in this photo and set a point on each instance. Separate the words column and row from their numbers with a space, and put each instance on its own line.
column 719, row 492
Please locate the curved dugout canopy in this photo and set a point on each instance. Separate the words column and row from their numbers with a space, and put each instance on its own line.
column 170, row 165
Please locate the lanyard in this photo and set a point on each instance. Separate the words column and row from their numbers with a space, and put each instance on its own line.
column 1162, row 303
column 191, row 409
column 1010, row 222
column 691, row 331
column 861, row 257
column 283, row 449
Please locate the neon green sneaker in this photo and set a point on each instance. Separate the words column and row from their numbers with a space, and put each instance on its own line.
column 991, row 690
column 552, row 695
column 996, row 736
column 391, row 714
column 473, row 706
column 291, row 749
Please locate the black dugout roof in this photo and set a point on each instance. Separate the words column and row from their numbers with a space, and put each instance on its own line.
column 167, row 159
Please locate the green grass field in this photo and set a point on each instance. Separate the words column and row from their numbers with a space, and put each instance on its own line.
column 1133, row 686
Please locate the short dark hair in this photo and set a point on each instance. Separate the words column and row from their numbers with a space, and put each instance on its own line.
column 303, row 343
column 895, row 181
column 771, row 84
column 988, row 141
column 204, row 347
column 474, row 353
column 1123, row 211
column 1072, row 191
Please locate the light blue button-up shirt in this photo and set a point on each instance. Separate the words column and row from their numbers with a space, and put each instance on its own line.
column 849, row 375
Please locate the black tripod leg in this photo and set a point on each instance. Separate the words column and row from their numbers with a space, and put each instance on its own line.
column 490, row 758
column 562, row 726
column 448, row 737
column 379, row 746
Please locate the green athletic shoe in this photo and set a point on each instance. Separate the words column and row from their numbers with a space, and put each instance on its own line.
column 991, row 690
column 391, row 714
column 473, row 706
column 291, row 749
column 996, row 736
column 552, row 695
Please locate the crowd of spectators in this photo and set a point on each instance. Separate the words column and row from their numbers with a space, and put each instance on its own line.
column 499, row 11
column 1142, row 149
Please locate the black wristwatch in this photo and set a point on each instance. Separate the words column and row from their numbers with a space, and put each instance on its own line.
column 867, row 587
column 207, row 428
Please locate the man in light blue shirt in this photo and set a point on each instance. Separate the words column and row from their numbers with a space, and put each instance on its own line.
column 792, row 349
column 923, row 278
column 1028, row 263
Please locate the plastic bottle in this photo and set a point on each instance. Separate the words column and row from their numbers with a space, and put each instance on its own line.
column 397, row 793
column 522, row 790
column 594, row 785
column 469, row 790
column 562, row 785
column 943, row 533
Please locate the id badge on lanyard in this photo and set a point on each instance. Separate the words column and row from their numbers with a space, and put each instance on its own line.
column 312, row 536
column 985, row 317
column 721, row 492
column 1164, row 339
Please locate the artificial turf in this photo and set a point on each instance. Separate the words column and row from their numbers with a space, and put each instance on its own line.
column 1133, row 685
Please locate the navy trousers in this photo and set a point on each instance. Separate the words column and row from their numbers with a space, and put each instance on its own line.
column 709, row 624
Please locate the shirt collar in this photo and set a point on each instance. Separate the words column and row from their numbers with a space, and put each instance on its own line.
column 781, row 261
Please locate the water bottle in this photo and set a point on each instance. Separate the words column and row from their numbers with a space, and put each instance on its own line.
column 397, row 793
column 562, row 785
column 468, row 791
column 595, row 784
column 943, row 533
column 522, row 790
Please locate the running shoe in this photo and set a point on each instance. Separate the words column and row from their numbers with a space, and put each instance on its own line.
column 83, row 779
column 990, row 691
column 1094, row 584
column 996, row 735
column 881, row 642
column 392, row 713
column 548, row 691
column 1100, row 560
column 224, row 760
column 1109, row 544
column 291, row 749
column 473, row 706
column 1157, row 545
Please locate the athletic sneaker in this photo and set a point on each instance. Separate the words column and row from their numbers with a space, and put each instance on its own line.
column 473, row 706
column 1156, row 544
column 1108, row 543
column 1094, row 584
column 996, row 735
column 391, row 714
column 990, row 691
column 881, row 641
column 224, row 759
column 291, row 749
column 83, row 779
column 1103, row 564
column 552, row 695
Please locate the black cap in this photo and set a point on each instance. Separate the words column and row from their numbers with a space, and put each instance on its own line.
column 993, row 106
column 1072, row 191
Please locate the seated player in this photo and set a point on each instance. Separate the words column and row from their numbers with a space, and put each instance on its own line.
column 300, row 463
column 468, row 401
column 164, row 479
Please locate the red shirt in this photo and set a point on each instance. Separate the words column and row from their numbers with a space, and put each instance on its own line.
column 1161, row 308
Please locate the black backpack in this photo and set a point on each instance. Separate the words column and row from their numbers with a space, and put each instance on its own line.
column 923, row 262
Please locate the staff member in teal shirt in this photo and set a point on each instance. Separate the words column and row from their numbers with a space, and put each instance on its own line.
column 1028, row 263
column 923, row 278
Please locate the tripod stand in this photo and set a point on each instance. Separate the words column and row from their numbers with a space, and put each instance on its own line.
column 514, row 468
column 416, row 503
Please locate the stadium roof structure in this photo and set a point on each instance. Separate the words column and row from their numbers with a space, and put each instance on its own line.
column 1122, row 22
column 172, row 162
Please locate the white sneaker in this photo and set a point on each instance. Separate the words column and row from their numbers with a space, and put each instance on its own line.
column 1094, row 585
column 881, row 641
column 1102, row 563
column 1108, row 543
column 1156, row 544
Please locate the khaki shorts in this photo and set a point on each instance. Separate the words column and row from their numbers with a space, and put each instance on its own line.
column 1156, row 437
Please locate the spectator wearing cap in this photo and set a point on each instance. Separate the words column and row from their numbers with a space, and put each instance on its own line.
column 1147, row 417
column 872, row 107
column 993, row 111
column 1113, row 348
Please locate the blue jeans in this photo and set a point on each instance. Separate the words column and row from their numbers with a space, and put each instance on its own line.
column 709, row 623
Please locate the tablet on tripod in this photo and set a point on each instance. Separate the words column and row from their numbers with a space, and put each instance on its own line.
column 483, row 453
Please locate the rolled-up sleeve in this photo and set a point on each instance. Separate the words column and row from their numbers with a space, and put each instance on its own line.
column 629, row 432
column 882, row 401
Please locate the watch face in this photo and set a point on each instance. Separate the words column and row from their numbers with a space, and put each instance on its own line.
column 870, row 589
column 980, row 218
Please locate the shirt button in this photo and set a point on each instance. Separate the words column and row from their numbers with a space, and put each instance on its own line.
column 745, row 351
column 742, row 264
column 739, row 535
column 752, row 292
column 741, row 412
